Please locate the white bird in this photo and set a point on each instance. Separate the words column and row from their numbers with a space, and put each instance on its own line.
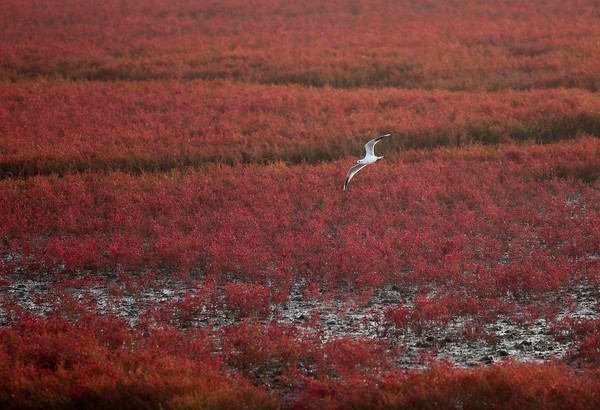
column 369, row 158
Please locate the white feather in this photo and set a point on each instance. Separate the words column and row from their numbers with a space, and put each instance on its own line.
column 369, row 158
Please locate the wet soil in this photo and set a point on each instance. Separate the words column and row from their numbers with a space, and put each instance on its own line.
column 525, row 341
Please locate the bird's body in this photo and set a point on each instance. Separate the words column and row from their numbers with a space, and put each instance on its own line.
column 369, row 158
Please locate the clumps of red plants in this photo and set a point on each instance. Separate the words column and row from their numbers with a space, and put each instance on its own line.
column 102, row 360
column 156, row 126
column 57, row 363
column 476, row 234
column 438, row 45
column 475, row 219
column 173, row 232
column 585, row 333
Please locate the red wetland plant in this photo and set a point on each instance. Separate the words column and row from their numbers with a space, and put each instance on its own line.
column 173, row 232
column 440, row 45
column 157, row 126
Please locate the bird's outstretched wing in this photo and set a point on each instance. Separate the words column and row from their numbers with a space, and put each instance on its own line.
column 370, row 146
column 352, row 172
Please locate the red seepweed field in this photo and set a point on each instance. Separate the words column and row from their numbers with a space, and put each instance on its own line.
column 174, row 234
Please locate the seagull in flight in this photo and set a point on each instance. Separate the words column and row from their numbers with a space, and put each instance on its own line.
column 369, row 158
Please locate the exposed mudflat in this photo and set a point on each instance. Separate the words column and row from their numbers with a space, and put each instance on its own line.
column 526, row 341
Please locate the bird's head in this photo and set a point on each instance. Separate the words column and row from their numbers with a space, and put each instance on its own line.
column 360, row 161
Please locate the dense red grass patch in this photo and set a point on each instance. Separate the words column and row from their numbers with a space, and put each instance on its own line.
column 136, row 127
column 58, row 363
column 455, row 46
column 506, row 209
column 101, row 362
column 477, row 233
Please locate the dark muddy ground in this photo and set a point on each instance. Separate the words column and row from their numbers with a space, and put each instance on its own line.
column 526, row 341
